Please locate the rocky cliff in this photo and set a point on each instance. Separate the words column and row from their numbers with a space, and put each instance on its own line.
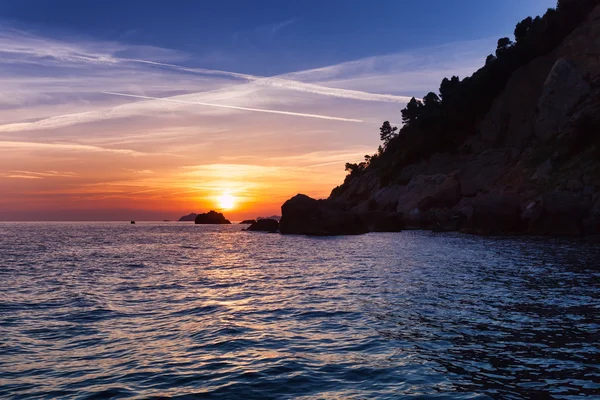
column 532, row 164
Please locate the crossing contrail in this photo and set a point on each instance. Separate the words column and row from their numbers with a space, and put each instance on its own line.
column 284, row 83
column 295, row 114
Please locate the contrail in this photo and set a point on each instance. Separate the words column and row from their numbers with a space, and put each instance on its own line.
column 284, row 83
column 237, row 107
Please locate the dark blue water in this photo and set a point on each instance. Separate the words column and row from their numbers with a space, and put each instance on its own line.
column 175, row 310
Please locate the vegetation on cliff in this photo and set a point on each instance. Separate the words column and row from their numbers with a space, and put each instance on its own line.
column 442, row 122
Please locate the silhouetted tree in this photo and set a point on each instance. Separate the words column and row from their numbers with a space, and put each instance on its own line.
column 448, row 87
column 522, row 29
column 431, row 100
column 443, row 123
column 351, row 167
column 503, row 45
column 387, row 132
column 412, row 111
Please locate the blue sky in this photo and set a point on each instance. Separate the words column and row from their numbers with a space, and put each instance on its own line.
column 150, row 110
column 275, row 36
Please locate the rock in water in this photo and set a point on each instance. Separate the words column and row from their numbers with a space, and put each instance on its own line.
column 211, row 217
column 248, row 221
column 264, row 225
column 494, row 215
column 307, row 216
column 560, row 214
column 189, row 217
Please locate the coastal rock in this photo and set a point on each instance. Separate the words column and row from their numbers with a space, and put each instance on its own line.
column 563, row 89
column 591, row 223
column 543, row 171
column 211, row 217
column 386, row 199
column 429, row 191
column 304, row 215
column 508, row 123
column 482, row 172
column 358, row 189
column 275, row 217
column 494, row 214
column 264, row 225
column 382, row 221
column 247, row 221
column 189, row 217
column 559, row 214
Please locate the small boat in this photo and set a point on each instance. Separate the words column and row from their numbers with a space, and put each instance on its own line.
column 132, row 222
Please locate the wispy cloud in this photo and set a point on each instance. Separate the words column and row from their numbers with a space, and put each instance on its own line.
column 289, row 113
column 84, row 120
column 71, row 147
column 19, row 174
column 280, row 25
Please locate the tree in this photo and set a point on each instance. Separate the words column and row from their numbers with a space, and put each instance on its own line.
column 503, row 45
column 490, row 59
column 387, row 133
column 412, row 111
column 448, row 87
column 431, row 100
column 522, row 29
column 351, row 168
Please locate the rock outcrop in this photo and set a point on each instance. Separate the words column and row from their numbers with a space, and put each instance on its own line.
column 563, row 89
column 189, row 217
column 264, row 225
column 304, row 215
column 212, row 218
column 558, row 214
column 494, row 214
column 247, row 222
column 530, row 165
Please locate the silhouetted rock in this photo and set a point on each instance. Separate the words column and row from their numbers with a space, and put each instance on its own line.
column 264, row 225
column 527, row 123
column 248, row 221
column 558, row 214
column 304, row 215
column 591, row 223
column 383, row 221
column 211, row 217
column 563, row 89
column 189, row 217
column 275, row 217
column 494, row 214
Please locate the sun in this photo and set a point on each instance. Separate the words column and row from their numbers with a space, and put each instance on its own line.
column 226, row 201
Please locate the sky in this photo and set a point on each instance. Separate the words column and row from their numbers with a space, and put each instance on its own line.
column 149, row 110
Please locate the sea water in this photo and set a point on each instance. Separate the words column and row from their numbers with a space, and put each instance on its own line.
column 177, row 310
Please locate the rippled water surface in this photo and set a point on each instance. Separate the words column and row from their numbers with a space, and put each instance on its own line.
column 109, row 310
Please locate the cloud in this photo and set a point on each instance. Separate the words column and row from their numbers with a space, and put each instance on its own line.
column 289, row 113
column 18, row 174
column 280, row 25
column 103, row 110
column 70, row 147
column 22, row 177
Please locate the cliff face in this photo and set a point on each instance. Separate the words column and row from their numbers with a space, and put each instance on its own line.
column 538, row 147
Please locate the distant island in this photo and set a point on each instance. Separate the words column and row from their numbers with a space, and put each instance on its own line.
column 189, row 217
column 512, row 149
column 212, row 218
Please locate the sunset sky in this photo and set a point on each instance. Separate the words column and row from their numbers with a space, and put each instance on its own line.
column 117, row 110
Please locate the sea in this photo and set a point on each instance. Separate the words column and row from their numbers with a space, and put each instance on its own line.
column 171, row 310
